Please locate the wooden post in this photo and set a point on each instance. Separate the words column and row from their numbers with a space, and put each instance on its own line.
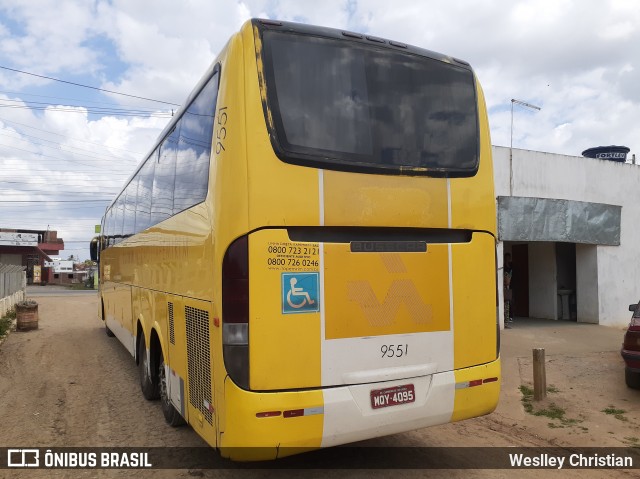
column 539, row 375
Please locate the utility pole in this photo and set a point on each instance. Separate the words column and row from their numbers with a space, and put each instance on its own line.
column 528, row 105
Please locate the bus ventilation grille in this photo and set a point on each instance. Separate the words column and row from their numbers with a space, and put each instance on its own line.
column 199, row 361
column 172, row 331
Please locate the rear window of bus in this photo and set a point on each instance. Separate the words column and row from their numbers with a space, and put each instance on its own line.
column 346, row 105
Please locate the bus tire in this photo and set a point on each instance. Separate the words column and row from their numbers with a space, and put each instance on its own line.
column 108, row 331
column 171, row 414
column 106, row 328
column 150, row 389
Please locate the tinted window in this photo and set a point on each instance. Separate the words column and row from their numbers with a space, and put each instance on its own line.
column 112, row 224
column 194, row 148
column 145, row 187
column 163, row 179
column 108, row 226
column 118, row 218
column 347, row 105
column 130, row 194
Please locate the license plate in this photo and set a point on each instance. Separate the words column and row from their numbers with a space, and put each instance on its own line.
column 392, row 396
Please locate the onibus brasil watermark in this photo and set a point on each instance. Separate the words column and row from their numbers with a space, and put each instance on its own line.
column 34, row 458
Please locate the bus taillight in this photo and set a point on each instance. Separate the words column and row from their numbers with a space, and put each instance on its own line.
column 235, row 311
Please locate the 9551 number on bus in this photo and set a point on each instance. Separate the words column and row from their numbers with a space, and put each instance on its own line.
column 394, row 350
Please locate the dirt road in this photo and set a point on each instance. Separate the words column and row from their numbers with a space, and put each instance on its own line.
column 68, row 384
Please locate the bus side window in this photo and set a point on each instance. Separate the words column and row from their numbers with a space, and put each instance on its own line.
column 130, row 208
column 194, row 148
column 164, row 178
column 145, row 185
column 118, row 219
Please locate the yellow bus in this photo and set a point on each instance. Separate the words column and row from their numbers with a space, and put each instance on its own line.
column 307, row 257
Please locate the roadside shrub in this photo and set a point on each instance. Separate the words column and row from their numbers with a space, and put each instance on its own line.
column 5, row 322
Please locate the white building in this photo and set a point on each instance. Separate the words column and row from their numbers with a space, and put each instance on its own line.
column 572, row 226
column 60, row 266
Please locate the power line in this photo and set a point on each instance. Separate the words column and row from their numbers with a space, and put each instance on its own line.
column 57, row 201
column 74, row 218
column 94, row 111
column 71, row 138
column 55, row 157
column 16, row 169
column 88, row 102
column 47, row 183
column 26, row 103
column 56, row 192
column 61, row 147
column 87, row 86
column 75, row 241
column 39, row 209
column 61, row 181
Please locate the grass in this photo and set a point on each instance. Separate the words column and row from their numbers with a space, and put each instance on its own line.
column 617, row 413
column 552, row 411
column 527, row 397
column 5, row 322
column 79, row 286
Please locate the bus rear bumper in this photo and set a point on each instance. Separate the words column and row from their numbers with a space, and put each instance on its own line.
column 349, row 415
column 269, row 425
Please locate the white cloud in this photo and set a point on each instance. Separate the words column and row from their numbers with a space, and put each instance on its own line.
column 170, row 46
column 578, row 60
column 52, row 36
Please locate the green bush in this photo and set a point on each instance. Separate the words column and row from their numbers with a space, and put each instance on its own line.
column 5, row 323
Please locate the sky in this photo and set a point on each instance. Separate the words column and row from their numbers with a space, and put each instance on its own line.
column 65, row 151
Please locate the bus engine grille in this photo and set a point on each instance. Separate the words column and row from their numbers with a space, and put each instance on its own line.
column 172, row 331
column 199, row 361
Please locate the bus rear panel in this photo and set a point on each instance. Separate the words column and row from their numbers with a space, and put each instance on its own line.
column 370, row 282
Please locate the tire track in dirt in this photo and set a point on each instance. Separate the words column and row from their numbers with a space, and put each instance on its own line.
column 68, row 384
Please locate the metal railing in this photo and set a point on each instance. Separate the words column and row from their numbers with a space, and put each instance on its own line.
column 13, row 283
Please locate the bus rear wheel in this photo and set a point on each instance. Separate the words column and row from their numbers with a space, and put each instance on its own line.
column 150, row 389
column 106, row 328
column 171, row 414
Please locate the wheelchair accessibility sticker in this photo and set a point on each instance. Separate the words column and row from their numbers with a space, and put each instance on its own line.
column 300, row 293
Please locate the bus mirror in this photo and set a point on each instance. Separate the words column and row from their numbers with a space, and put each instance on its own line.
column 93, row 248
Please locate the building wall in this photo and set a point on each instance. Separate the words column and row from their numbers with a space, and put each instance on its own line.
column 616, row 282
column 13, row 259
column 63, row 278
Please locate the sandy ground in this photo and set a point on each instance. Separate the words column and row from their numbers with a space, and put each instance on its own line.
column 68, row 384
